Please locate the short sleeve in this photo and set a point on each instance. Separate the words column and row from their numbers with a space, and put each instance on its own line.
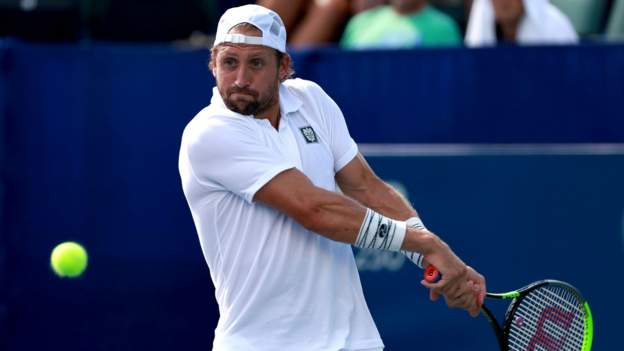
column 232, row 155
column 343, row 147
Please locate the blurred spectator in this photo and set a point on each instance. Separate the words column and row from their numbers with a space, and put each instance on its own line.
column 615, row 26
column 402, row 24
column 518, row 21
column 316, row 22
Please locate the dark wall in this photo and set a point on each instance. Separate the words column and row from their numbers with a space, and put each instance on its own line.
column 109, row 20
column 3, row 233
column 91, row 140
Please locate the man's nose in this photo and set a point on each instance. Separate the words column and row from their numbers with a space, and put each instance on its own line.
column 243, row 77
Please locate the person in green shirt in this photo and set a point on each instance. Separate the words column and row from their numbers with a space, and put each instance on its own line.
column 402, row 24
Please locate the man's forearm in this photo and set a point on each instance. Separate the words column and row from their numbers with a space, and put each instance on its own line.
column 340, row 218
column 334, row 216
column 383, row 198
column 386, row 200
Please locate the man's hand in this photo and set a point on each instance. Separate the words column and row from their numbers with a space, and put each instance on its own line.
column 461, row 285
column 453, row 271
column 468, row 295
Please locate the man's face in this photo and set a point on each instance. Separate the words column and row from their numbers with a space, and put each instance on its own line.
column 507, row 10
column 247, row 76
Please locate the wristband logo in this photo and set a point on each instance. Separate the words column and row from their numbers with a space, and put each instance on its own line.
column 383, row 230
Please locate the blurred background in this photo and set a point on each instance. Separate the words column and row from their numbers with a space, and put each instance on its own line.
column 511, row 146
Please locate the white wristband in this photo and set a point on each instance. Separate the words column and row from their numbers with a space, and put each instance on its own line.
column 415, row 257
column 416, row 223
column 380, row 232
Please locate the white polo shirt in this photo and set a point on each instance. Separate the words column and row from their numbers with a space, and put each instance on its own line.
column 278, row 285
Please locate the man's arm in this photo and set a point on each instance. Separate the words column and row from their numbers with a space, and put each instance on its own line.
column 358, row 181
column 339, row 218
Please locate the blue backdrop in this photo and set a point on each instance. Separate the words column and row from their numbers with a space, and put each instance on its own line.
column 91, row 135
column 3, row 247
column 517, row 218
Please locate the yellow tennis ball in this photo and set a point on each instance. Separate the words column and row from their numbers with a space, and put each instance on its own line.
column 69, row 259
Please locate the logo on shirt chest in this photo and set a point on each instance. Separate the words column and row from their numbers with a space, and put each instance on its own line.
column 309, row 135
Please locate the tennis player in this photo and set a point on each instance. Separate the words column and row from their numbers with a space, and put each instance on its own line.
column 260, row 168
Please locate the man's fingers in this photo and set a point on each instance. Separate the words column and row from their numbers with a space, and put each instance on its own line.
column 462, row 301
column 475, row 307
column 441, row 285
column 434, row 295
column 479, row 293
column 482, row 293
column 464, row 288
column 430, row 286
column 434, row 289
column 469, row 303
column 457, row 290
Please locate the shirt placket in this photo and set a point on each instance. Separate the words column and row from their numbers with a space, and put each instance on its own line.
column 289, row 144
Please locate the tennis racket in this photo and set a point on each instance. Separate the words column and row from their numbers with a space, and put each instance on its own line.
column 547, row 315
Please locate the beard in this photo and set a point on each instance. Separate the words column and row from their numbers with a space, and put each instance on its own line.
column 257, row 103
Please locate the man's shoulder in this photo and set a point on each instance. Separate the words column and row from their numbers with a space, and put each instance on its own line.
column 212, row 123
column 305, row 90
column 298, row 85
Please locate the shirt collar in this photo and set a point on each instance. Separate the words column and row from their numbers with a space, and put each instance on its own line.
column 288, row 101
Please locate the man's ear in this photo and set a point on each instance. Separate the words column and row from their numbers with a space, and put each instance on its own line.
column 284, row 66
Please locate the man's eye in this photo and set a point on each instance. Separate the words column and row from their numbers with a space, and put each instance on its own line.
column 257, row 63
column 229, row 62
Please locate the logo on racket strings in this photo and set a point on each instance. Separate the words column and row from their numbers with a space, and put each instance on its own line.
column 552, row 328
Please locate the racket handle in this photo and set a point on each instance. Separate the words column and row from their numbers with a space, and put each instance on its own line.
column 431, row 274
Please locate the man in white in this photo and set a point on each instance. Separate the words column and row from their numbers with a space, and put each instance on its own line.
column 260, row 168
column 528, row 22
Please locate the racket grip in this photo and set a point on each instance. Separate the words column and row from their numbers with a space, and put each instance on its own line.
column 431, row 274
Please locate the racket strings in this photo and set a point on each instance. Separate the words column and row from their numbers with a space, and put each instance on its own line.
column 548, row 319
column 566, row 296
column 554, row 328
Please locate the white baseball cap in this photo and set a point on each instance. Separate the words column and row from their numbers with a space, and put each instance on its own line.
column 267, row 21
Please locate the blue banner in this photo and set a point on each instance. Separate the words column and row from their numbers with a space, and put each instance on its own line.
column 91, row 138
column 518, row 217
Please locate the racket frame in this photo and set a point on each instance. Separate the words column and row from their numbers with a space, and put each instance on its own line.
column 431, row 274
column 502, row 333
